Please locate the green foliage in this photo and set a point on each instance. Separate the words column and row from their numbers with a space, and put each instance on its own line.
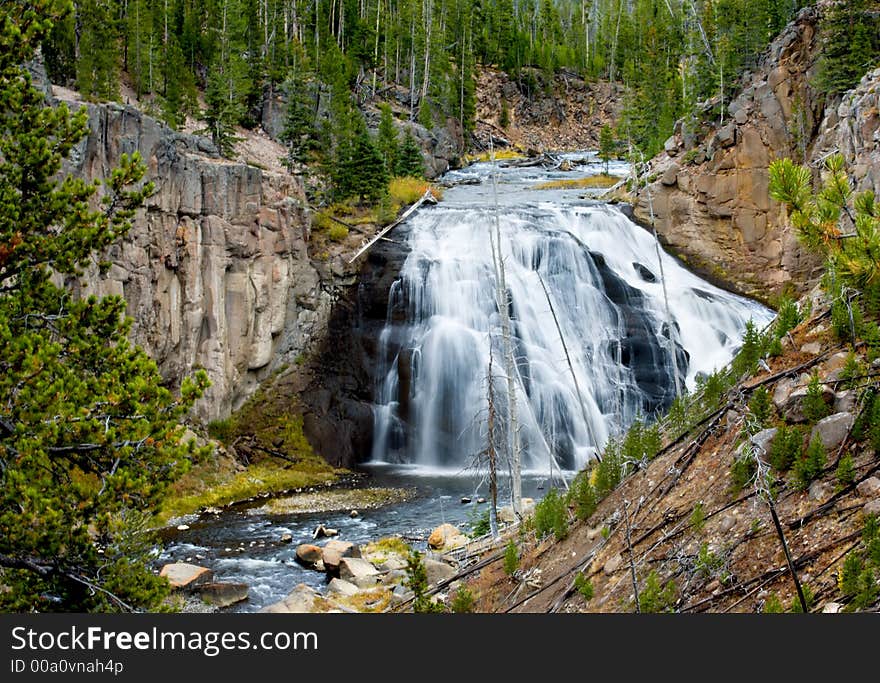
column 609, row 472
column 761, row 407
column 511, row 558
column 810, row 465
column 583, row 586
column 852, row 371
column 641, row 443
column 773, row 605
column 607, row 145
column 849, row 574
column 410, row 162
column 787, row 446
column 795, row 605
column 742, row 471
column 746, row 361
column 846, row 472
column 299, row 134
column 655, row 597
column 857, row 575
column 551, row 515
column 708, row 563
column 463, row 600
column 504, row 116
column 386, row 139
column 814, row 405
column 583, row 496
column 479, row 522
column 417, row 582
column 337, row 232
column 697, row 519
column 788, row 316
column 89, row 435
column 222, row 430
column 850, row 44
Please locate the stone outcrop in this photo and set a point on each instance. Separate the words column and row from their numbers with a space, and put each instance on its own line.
column 710, row 198
column 215, row 269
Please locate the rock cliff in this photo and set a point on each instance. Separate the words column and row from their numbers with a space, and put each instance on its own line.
column 709, row 193
column 215, row 270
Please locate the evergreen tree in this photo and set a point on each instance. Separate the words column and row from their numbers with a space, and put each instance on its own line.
column 386, row 139
column 227, row 89
column 606, row 145
column 97, row 71
column 851, row 46
column 362, row 166
column 299, row 134
column 410, row 161
column 89, row 438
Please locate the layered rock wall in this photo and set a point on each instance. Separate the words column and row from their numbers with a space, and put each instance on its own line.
column 215, row 269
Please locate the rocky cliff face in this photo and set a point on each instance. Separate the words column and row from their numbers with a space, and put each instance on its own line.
column 709, row 192
column 215, row 270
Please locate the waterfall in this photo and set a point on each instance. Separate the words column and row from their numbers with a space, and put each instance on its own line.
column 602, row 276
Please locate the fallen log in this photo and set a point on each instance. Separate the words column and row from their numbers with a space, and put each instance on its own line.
column 427, row 197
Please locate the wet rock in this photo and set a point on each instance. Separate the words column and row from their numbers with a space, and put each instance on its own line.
column 223, row 594
column 335, row 551
column 832, row 430
column 465, row 500
column 182, row 575
column 644, row 272
column 322, row 531
column 309, row 555
column 354, row 514
column 286, row 538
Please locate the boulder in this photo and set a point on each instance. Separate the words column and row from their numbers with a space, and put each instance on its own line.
column 820, row 490
column 286, row 538
column 870, row 488
column 872, row 508
column 333, row 553
column 446, row 537
column 812, row 348
column 727, row 523
column 670, row 175
column 301, row 600
column 342, row 587
column 401, row 594
column 182, row 575
column 309, row 555
column 781, row 393
column 764, row 439
column 831, row 608
column 793, row 410
column 844, row 401
column 438, row 571
column 322, row 531
column 832, row 430
column 223, row 594
column 358, row 571
column 613, row 564
column 395, row 576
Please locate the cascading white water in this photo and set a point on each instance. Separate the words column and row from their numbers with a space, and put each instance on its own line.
column 602, row 275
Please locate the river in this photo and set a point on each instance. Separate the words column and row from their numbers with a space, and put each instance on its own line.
column 606, row 303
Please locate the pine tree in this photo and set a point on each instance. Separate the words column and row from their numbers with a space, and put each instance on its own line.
column 851, row 44
column 606, row 145
column 228, row 86
column 97, row 72
column 365, row 167
column 386, row 139
column 409, row 160
column 89, row 438
column 299, row 134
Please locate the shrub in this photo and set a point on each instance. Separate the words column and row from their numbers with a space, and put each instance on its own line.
column 511, row 558
column 746, row 360
column 583, row 586
column 815, row 407
column 846, row 473
column 463, row 600
column 786, row 447
column 610, row 471
column 810, row 464
column 742, row 471
column 337, row 232
column 698, row 517
column 222, row 430
column 551, row 515
column 849, row 573
column 479, row 522
column 761, row 406
column 809, row 598
column 787, row 317
column 851, row 371
column 654, row 597
column 406, row 190
column 772, row 605
column 583, row 496
column 708, row 563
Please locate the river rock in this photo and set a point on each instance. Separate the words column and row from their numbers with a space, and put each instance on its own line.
column 438, row 571
column 286, row 538
column 446, row 537
column 223, row 594
column 832, row 430
column 182, row 575
column 322, row 531
column 309, row 555
column 869, row 488
column 333, row 553
column 358, row 571
column 342, row 587
column 301, row 600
